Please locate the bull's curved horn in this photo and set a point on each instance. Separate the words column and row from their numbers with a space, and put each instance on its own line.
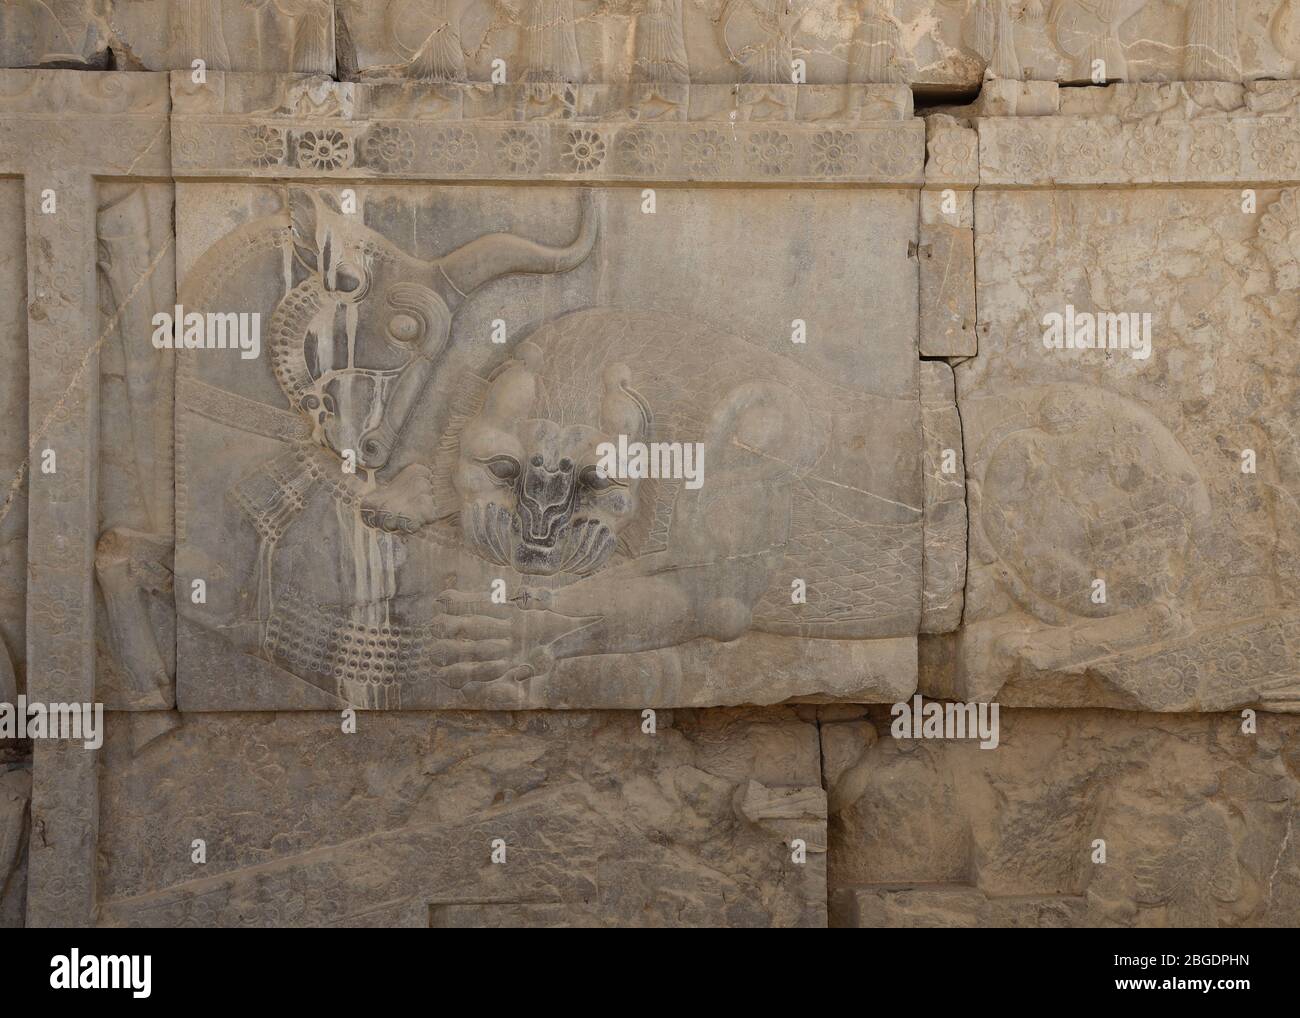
column 500, row 254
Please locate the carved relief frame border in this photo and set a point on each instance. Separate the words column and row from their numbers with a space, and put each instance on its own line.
column 67, row 132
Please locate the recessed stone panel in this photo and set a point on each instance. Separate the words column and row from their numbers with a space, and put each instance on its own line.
column 360, row 501
column 1075, row 818
column 1133, row 523
column 599, row 822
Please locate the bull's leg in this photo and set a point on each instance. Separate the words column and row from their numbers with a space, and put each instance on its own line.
column 130, row 567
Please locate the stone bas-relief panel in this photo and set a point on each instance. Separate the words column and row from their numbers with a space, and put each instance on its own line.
column 394, row 503
column 661, row 42
column 15, row 827
column 930, row 44
column 1197, row 820
column 15, row 761
column 1134, row 520
column 602, row 824
column 285, row 127
column 389, row 509
column 133, row 555
column 944, row 44
column 160, row 35
column 13, row 444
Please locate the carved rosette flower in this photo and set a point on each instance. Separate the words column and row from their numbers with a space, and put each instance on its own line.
column 455, row 149
column 187, row 145
column 1024, row 155
column 1082, row 150
column 519, row 150
column 769, row 152
column 55, row 614
column 1152, row 150
column 52, row 143
column 889, row 155
column 324, row 150
column 1276, row 148
column 56, row 286
column 642, row 150
column 260, row 146
column 1214, row 149
column 1278, row 240
column 706, row 151
column 388, row 149
column 583, row 151
column 835, row 153
column 954, row 154
column 1175, row 678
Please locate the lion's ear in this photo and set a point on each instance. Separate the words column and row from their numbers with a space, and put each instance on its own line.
column 514, row 388
column 623, row 410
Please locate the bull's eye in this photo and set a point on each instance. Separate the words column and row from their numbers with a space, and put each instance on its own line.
column 404, row 328
column 590, row 476
column 503, row 468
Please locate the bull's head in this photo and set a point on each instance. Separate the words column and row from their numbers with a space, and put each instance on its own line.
column 355, row 342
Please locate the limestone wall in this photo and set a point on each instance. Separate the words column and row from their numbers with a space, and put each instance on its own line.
column 961, row 337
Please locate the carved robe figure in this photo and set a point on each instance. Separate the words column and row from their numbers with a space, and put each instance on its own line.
column 660, row 47
column 440, row 54
column 549, row 45
column 1211, row 48
column 758, row 36
column 877, row 46
column 1087, row 32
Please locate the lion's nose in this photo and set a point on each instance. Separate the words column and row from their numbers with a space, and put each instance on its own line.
column 545, row 499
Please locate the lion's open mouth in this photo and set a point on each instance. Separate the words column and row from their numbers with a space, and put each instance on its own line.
column 580, row 545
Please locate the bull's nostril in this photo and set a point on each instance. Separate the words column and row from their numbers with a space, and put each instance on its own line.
column 536, row 461
column 566, row 464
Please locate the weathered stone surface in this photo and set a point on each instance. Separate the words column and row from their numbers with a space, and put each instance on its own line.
column 753, row 41
column 1094, row 465
column 37, row 33
column 13, row 445
column 159, row 35
column 1197, row 819
column 946, row 250
column 649, row 233
column 15, row 794
column 950, row 45
column 602, row 824
column 133, row 556
column 273, row 127
column 652, row 593
column 227, row 35
column 948, row 319
column 944, row 563
column 66, row 132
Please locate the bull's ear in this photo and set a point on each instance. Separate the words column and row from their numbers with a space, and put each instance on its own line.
column 311, row 215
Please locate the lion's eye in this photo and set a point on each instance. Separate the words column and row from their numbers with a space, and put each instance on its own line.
column 590, row 476
column 503, row 468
